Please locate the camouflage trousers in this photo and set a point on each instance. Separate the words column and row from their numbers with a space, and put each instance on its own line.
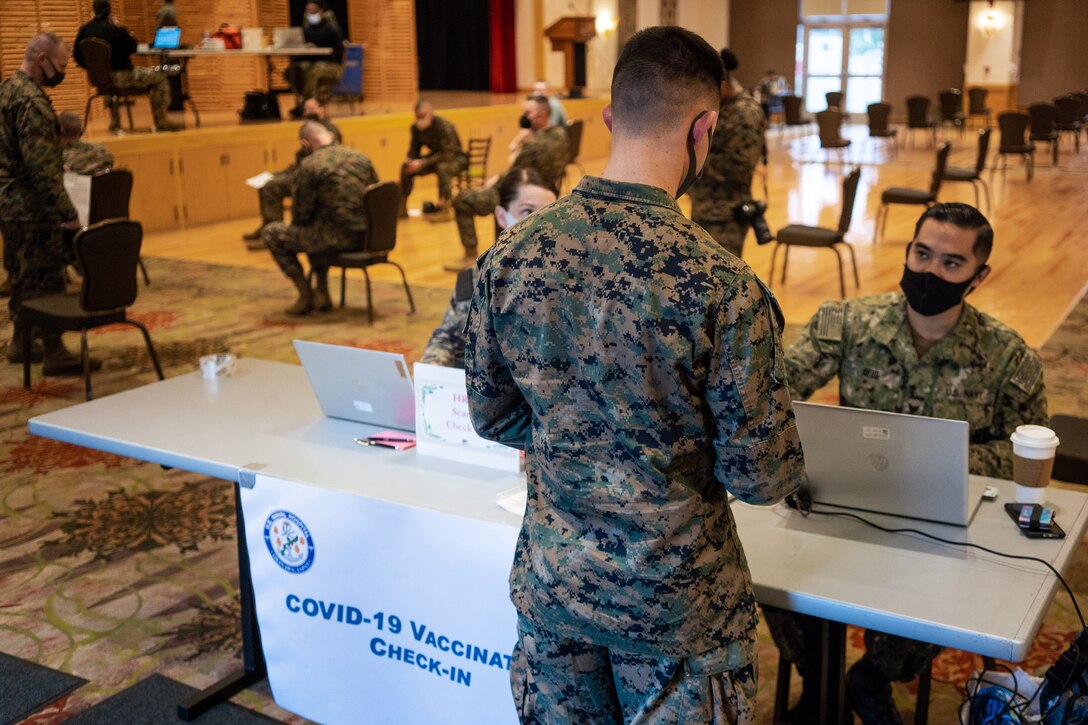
column 444, row 170
column 274, row 192
column 314, row 79
column 898, row 659
column 729, row 234
column 558, row 680
column 34, row 260
column 470, row 204
column 142, row 78
column 286, row 241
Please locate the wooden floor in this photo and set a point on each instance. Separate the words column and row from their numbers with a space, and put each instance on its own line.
column 1040, row 260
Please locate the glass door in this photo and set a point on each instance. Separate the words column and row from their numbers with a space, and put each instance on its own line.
column 845, row 57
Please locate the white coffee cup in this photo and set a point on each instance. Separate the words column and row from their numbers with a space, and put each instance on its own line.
column 1033, row 450
column 216, row 366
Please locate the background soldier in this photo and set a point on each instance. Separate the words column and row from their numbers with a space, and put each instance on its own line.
column 445, row 158
column 34, row 207
column 315, row 78
column 635, row 363
column 123, row 44
column 281, row 184
column 328, row 213
column 734, row 154
column 922, row 351
column 546, row 150
column 81, row 157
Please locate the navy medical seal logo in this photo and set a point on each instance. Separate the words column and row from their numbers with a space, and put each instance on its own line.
column 289, row 542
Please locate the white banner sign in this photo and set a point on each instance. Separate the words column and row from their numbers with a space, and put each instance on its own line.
column 443, row 426
column 372, row 612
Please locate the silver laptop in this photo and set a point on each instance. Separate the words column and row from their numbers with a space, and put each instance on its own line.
column 288, row 38
column 889, row 463
column 366, row 386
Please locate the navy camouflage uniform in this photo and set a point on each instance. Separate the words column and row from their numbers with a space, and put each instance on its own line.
column 726, row 182
column 639, row 367
column 981, row 372
column 546, row 150
column 33, row 202
column 447, row 344
column 445, row 159
column 328, row 213
column 282, row 183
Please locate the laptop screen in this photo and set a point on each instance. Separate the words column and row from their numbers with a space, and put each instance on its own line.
column 167, row 38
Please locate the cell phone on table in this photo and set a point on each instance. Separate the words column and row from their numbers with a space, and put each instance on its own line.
column 1034, row 521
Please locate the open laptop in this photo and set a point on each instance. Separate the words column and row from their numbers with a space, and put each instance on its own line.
column 288, row 38
column 889, row 463
column 167, row 38
column 366, row 386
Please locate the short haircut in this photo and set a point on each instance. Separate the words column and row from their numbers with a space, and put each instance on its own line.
column 513, row 181
column 41, row 43
column 101, row 8
column 662, row 72
column 314, row 130
column 420, row 104
column 963, row 216
column 541, row 101
column 70, row 125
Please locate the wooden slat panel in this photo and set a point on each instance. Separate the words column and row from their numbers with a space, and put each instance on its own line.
column 388, row 29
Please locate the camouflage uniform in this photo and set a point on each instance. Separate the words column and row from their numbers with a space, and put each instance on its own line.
column 312, row 78
column 328, row 213
column 640, row 369
column 446, row 158
column 545, row 150
column 123, row 73
column 727, row 175
column 88, row 159
column 981, row 372
column 280, row 186
column 447, row 344
column 33, row 202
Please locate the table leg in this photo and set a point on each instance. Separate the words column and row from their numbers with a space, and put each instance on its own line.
column 254, row 669
column 825, row 665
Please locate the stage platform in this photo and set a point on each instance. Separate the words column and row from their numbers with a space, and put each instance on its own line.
column 197, row 176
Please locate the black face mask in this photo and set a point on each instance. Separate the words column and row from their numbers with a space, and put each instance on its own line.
column 54, row 80
column 929, row 295
column 692, row 176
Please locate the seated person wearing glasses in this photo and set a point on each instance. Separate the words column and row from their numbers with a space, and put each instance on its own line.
column 329, row 214
column 922, row 351
column 545, row 149
column 521, row 193
column 104, row 26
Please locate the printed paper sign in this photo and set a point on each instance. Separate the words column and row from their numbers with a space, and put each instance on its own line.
column 377, row 612
column 443, row 425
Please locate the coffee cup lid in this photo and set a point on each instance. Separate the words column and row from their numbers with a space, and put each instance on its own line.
column 1034, row 436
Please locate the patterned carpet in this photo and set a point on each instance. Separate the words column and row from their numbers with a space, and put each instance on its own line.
column 113, row 570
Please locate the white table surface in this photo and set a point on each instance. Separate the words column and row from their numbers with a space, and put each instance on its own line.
column 266, row 414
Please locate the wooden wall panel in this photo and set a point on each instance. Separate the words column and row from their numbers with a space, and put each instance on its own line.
column 388, row 29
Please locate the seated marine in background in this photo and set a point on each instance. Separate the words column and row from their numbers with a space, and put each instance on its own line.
column 104, row 26
column 315, row 77
column 521, row 193
column 328, row 214
column 81, row 157
column 546, row 150
column 922, row 351
column 279, row 187
column 445, row 158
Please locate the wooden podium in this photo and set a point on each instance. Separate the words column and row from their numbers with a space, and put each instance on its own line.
column 569, row 35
